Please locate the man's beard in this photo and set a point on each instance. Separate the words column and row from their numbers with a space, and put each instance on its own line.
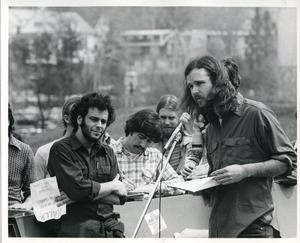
column 205, row 108
column 168, row 132
column 87, row 133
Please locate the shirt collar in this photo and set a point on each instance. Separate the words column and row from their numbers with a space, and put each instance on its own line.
column 14, row 142
column 240, row 104
column 76, row 144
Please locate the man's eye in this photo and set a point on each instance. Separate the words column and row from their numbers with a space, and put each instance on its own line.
column 190, row 86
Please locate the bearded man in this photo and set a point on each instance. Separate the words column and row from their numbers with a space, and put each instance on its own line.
column 246, row 148
column 166, row 109
column 87, row 172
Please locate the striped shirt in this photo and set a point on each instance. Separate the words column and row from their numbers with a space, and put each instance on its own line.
column 143, row 169
column 20, row 170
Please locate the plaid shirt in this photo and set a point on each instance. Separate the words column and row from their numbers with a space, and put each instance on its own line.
column 143, row 169
column 20, row 170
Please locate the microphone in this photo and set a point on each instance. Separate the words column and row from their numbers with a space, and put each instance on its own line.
column 185, row 117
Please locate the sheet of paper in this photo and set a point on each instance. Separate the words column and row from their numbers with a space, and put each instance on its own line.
column 43, row 193
column 152, row 220
column 196, row 185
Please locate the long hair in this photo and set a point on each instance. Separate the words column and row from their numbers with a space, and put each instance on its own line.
column 94, row 99
column 11, row 120
column 222, row 98
column 232, row 71
column 145, row 121
column 168, row 101
column 67, row 108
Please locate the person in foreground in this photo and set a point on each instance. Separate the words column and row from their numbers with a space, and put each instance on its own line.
column 87, row 172
column 139, row 163
column 246, row 148
column 167, row 111
column 20, row 170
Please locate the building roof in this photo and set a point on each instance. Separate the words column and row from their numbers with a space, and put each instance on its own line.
column 158, row 37
column 27, row 21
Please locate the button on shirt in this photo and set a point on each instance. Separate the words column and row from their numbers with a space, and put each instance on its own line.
column 250, row 134
column 80, row 174
column 20, row 170
column 142, row 168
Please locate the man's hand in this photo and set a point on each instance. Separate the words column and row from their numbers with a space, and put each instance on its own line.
column 230, row 174
column 188, row 168
column 63, row 199
column 119, row 187
column 129, row 184
column 22, row 206
column 199, row 171
column 144, row 189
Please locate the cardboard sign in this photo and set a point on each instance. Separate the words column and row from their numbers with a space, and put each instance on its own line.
column 43, row 193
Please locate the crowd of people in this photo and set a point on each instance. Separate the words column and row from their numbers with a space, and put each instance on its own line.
column 236, row 140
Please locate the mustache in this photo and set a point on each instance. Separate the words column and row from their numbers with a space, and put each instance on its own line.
column 138, row 147
column 198, row 96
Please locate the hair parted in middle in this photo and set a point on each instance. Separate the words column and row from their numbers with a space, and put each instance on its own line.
column 167, row 101
column 93, row 99
column 147, row 122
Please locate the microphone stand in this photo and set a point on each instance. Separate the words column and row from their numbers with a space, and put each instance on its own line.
column 177, row 138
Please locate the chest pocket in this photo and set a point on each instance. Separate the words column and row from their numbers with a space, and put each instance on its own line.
column 237, row 150
column 102, row 173
column 212, row 155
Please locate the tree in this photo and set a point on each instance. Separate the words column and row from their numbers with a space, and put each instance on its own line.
column 261, row 52
column 50, row 63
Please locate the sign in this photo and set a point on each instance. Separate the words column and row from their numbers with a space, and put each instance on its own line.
column 152, row 220
column 43, row 193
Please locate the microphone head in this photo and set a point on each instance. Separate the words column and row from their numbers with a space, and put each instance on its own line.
column 185, row 117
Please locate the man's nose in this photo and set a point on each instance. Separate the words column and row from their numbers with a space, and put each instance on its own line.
column 167, row 121
column 100, row 124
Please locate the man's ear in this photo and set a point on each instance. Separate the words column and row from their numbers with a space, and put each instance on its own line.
column 67, row 119
column 79, row 120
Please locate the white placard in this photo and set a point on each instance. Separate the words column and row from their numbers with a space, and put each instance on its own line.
column 152, row 220
column 43, row 193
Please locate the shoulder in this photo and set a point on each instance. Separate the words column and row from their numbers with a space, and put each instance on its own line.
column 150, row 151
column 259, row 108
column 109, row 150
column 60, row 143
column 43, row 150
column 23, row 147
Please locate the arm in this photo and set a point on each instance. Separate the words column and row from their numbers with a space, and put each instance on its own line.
column 40, row 165
column 235, row 173
column 111, row 199
column 28, row 177
column 72, row 181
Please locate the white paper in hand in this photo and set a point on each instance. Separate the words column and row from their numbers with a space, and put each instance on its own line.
column 43, row 193
column 196, row 185
column 152, row 220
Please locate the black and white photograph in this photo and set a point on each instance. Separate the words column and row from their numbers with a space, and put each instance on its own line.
column 149, row 119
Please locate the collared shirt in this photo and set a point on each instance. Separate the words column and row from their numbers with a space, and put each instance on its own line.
column 250, row 134
column 144, row 168
column 42, row 155
column 80, row 174
column 20, row 170
column 179, row 154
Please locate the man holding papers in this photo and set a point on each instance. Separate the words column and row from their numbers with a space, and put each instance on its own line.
column 246, row 148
